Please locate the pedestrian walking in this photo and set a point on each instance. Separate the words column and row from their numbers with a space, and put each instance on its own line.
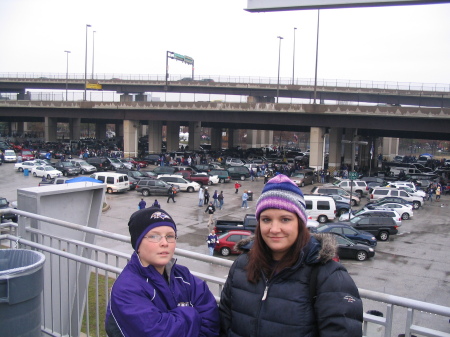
column 215, row 199
column 236, row 186
column 201, row 197
column 156, row 204
column 438, row 193
column 430, row 191
column 220, row 198
column 210, row 209
column 244, row 200
column 172, row 191
column 206, row 193
column 142, row 204
column 212, row 241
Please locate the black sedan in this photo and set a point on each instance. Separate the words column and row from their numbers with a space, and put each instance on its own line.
column 349, row 232
column 347, row 249
column 385, row 200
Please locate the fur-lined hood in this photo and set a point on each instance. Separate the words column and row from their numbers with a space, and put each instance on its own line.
column 323, row 247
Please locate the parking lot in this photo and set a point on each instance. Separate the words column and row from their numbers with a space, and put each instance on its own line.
column 413, row 264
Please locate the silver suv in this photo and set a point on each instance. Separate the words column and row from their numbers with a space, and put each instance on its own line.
column 84, row 166
column 357, row 186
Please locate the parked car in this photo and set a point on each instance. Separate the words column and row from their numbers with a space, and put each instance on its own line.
column 321, row 208
column 389, row 199
column 153, row 159
column 27, row 154
column 381, row 192
column 136, row 162
column 83, row 165
column 356, row 186
column 331, row 190
column 405, row 211
column 302, row 177
column 204, row 167
column 4, row 203
column 115, row 163
column 101, row 163
column 381, row 227
column 127, row 164
column 349, row 232
column 234, row 162
column 224, row 176
column 48, row 172
column 67, row 168
column 164, row 170
column 373, row 212
column 228, row 240
column 188, row 186
column 9, row 156
column 115, row 182
column 20, row 167
column 238, row 172
column 154, row 187
column 347, row 249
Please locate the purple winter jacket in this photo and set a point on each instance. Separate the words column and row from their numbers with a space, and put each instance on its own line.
column 143, row 303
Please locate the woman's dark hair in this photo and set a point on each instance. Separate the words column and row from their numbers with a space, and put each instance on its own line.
column 260, row 256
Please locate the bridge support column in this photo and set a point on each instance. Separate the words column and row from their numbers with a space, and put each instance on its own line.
column 266, row 137
column 50, row 129
column 194, row 135
column 154, row 136
column 335, row 150
column 74, row 128
column 390, row 147
column 126, row 98
column 173, row 136
column 141, row 98
column 348, row 148
column 230, row 135
column 100, row 130
column 130, row 141
column 316, row 143
column 119, row 129
column 216, row 138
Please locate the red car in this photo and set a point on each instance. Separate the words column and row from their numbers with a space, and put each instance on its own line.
column 27, row 154
column 227, row 241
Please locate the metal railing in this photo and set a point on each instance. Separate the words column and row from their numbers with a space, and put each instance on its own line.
column 70, row 311
column 340, row 83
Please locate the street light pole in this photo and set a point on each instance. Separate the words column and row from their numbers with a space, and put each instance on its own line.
column 293, row 60
column 93, row 37
column 67, row 69
column 317, row 55
column 85, row 63
column 279, row 55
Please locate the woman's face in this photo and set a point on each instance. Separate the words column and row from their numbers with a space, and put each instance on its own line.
column 279, row 230
column 159, row 253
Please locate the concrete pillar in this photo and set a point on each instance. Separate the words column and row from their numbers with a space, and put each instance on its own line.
column 19, row 128
column 335, row 150
column 130, row 140
column 347, row 148
column 237, row 139
column 252, row 139
column 173, row 136
column 390, row 147
column 216, row 138
column 316, row 141
column 50, row 129
column 119, row 129
column 194, row 135
column 266, row 137
column 141, row 98
column 126, row 98
column 230, row 135
column 100, row 130
column 74, row 128
column 154, row 136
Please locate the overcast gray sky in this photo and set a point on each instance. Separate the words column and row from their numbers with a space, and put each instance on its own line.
column 402, row 44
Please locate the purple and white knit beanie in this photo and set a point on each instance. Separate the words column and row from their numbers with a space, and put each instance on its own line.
column 281, row 193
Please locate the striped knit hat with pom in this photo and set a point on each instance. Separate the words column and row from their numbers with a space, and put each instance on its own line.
column 281, row 193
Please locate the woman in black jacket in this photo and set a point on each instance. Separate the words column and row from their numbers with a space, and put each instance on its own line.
column 287, row 284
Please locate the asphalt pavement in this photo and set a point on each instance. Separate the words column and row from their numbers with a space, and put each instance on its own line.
column 413, row 264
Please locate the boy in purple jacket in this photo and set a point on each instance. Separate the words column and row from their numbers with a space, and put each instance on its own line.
column 153, row 296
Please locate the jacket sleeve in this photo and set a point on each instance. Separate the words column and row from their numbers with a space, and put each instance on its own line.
column 136, row 315
column 206, row 306
column 338, row 307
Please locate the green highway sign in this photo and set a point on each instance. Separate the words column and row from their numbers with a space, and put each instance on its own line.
column 353, row 175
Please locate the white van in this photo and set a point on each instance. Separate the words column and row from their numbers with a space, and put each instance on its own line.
column 320, row 207
column 382, row 192
column 10, row 156
column 115, row 182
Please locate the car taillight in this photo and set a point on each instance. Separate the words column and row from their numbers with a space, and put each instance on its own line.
column 371, row 196
column 395, row 227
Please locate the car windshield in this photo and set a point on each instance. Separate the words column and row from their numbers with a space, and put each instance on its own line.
column 67, row 164
column 26, row 153
column 48, row 168
column 323, row 228
column 298, row 175
column 82, row 163
column 3, row 202
column 115, row 160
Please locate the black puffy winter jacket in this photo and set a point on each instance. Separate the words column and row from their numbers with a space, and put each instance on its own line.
column 288, row 309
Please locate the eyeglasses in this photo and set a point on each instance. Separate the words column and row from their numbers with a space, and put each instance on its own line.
column 157, row 238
